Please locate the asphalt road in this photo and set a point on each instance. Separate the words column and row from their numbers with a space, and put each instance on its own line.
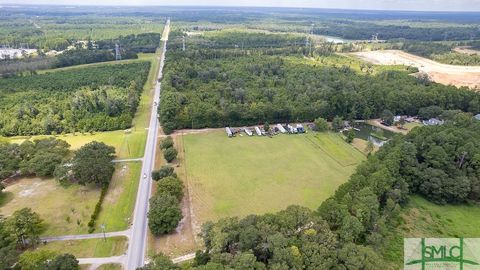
column 138, row 240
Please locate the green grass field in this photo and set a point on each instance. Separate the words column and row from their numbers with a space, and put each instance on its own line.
column 113, row 246
column 118, row 205
column 247, row 175
column 67, row 210
column 64, row 210
column 110, row 266
column 421, row 218
column 127, row 145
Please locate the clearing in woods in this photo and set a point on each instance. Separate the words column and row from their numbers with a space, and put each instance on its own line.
column 67, row 210
column 255, row 175
column 446, row 74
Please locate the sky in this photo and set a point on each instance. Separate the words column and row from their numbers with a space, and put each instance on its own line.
column 419, row 5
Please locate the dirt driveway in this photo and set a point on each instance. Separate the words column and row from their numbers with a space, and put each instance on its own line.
column 446, row 74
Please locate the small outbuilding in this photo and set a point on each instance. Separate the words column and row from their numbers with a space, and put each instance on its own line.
column 433, row 122
column 477, row 116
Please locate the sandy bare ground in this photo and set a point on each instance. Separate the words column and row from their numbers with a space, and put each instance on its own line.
column 446, row 74
column 466, row 50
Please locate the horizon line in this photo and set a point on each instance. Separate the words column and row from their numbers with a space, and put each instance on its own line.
column 2, row 5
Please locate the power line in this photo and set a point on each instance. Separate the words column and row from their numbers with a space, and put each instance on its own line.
column 118, row 56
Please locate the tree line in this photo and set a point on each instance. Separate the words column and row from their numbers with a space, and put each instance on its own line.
column 101, row 51
column 356, row 30
column 86, row 99
column 51, row 157
column 165, row 210
column 202, row 89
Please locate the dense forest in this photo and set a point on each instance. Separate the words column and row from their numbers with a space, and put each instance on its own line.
column 349, row 230
column 146, row 43
column 93, row 52
column 220, row 87
column 38, row 158
column 356, row 30
column 85, row 99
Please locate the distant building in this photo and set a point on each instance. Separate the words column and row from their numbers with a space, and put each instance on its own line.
column 433, row 122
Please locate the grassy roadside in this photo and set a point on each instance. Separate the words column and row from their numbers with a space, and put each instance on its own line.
column 183, row 240
column 119, row 202
column 110, row 266
column 114, row 246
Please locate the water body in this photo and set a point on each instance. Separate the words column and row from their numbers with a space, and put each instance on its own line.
column 376, row 135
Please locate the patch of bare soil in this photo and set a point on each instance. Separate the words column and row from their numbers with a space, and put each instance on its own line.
column 466, row 50
column 468, row 76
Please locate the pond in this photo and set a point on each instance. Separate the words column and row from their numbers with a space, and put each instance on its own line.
column 376, row 135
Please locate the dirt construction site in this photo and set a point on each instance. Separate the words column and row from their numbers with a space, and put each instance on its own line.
column 446, row 74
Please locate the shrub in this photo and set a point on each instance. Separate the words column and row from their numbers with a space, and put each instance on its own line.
column 165, row 171
column 172, row 186
column 170, row 154
column 96, row 212
column 164, row 214
column 166, row 143
column 350, row 136
column 321, row 125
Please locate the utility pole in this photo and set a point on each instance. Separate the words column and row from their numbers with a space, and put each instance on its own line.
column 118, row 56
column 183, row 41
column 308, row 42
column 103, row 230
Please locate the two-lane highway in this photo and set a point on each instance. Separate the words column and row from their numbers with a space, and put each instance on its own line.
column 138, row 240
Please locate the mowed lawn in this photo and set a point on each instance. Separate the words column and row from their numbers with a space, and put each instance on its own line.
column 114, row 246
column 253, row 175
